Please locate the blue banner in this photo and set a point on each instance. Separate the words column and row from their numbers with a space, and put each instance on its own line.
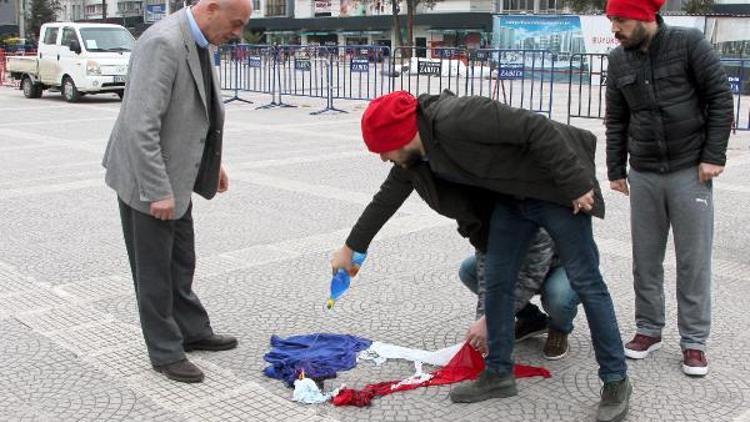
column 511, row 71
column 254, row 61
column 155, row 12
column 303, row 65
column 359, row 66
column 734, row 84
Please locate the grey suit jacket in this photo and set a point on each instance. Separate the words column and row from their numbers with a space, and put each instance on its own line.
column 156, row 149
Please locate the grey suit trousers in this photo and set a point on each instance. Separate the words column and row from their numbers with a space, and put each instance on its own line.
column 678, row 201
column 162, row 260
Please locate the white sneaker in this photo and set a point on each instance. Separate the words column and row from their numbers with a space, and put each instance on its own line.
column 641, row 345
column 694, row 363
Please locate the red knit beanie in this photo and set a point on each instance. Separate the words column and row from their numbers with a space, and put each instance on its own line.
column 642, row 10
column 390, row 122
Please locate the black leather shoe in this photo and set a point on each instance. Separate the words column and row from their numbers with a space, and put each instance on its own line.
column 182, row 371
column 213, row 343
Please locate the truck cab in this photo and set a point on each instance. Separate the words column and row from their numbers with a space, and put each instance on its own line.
column 81, row 58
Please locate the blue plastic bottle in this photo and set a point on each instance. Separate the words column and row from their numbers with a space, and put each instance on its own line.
column 342, row 279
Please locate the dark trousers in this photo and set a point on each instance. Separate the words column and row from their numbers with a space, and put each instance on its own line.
column 514, row 224
column 162, row 260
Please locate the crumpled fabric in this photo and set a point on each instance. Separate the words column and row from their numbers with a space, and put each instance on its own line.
column 467, row 364
column 419, row 377
column 307, row 391
column 319, row 355
column 380, row 352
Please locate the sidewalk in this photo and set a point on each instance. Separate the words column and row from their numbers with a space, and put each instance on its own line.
column 70, row 342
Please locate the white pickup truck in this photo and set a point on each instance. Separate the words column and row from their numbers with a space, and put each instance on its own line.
column 75, row 59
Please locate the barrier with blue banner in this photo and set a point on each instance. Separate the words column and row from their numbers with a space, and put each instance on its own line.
column 360, row 72
column 307, row 71
column 246, row 67
column 421, row 70
column 519, row 78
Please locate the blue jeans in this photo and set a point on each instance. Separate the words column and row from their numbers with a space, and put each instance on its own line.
column 513, row 225
column 558, row 298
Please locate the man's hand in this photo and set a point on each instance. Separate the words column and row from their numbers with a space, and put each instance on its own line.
column 477, row 336
column 620, row 185
column 223, row 180
column 584, row 203
column 342, row 258
column 163, row 210
column 707, row 171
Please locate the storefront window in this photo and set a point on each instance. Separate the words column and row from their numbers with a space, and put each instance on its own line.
column 356, row 40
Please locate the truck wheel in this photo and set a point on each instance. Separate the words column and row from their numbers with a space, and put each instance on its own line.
column 30, row 89
column 69, row 91
column 120, row 94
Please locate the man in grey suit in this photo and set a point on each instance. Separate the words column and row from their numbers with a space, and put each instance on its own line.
column 166, row 144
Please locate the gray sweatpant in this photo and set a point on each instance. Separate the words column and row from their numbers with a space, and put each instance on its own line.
column 658, row 202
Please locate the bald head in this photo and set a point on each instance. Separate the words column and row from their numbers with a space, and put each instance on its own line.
column 222, row 20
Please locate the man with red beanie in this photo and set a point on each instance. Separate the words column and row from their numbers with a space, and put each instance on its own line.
column 669, row 109
column 536, row 173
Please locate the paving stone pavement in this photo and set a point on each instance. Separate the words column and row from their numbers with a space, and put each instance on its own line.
column 70, row 343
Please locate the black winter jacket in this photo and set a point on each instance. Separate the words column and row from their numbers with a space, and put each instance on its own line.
column 670, row 107
column 480, row 142
column 476, row 149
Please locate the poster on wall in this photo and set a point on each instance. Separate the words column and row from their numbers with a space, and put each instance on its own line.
column 353, row 8
column 566, row 34
column 558, row 34
column 598, row 36
column 155, row 12
column 322, row 7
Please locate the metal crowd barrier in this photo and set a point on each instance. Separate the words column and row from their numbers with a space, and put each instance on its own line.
column 361, row 72
column 587, row 86
column 738, row 74
column 422, row 70
column 246, row 67
column 519, row 78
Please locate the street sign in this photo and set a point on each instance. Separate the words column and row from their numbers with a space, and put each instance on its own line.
column 359, row 66
column 511, row 71
column 303, row 65
column 155, row 12
column 425, row 67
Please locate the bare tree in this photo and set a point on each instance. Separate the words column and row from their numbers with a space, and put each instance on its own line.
column 395, row 10
column 41, row 12
column 411, row 10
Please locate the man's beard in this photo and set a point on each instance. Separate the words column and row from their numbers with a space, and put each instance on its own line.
column 411, row 159
column 636, row 40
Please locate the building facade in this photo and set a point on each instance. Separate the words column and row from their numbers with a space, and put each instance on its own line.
column 450, row 23
column 9, row 17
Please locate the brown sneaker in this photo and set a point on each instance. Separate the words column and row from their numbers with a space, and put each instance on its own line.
column 556, row 346
column 640, row 346
column 694, row 363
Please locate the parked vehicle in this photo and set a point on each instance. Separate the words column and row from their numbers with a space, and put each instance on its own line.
column 75, row 59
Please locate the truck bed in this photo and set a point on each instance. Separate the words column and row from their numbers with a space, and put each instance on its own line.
column 21, row 64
